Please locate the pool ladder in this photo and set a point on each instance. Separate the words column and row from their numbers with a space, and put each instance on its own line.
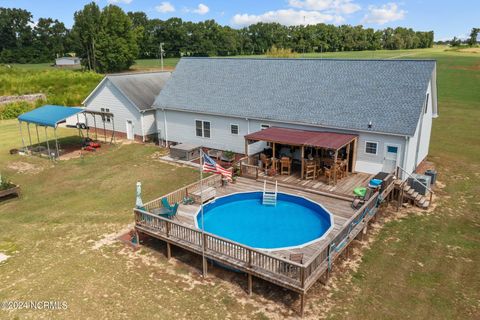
column 269, row 197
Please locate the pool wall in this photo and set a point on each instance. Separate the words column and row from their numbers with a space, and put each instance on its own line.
column 301, row 200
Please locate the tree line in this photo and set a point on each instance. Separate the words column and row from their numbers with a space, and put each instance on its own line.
column 109, row 39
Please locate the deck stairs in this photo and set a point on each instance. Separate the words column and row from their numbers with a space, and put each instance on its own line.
column 411, row 195
column 269, row 197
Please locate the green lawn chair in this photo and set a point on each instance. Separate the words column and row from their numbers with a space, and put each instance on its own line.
column 171, row 212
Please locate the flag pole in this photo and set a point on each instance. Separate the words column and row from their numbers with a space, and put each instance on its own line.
column 204, row 263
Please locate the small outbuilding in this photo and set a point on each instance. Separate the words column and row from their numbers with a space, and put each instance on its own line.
column 67, row 62
column 130, row 98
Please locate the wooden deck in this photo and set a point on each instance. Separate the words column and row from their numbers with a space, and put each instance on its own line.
column 341, row 211
column 273, row 266
column 343, row 187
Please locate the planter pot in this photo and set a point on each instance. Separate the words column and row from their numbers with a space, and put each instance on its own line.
column 7, row 192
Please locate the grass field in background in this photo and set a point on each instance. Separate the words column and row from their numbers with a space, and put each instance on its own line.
column 424, row 265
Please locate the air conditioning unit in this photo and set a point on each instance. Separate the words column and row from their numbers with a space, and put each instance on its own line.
column 420, row 184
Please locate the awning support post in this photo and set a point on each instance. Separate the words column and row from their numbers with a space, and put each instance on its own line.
column 38, row 137
column 29, row 136
column 95, row 125
column 56, row 141
column 104, row 130
column 113, row 132
column 303, row 161
column 21, row 134
column 48, row 144
column 335, row 167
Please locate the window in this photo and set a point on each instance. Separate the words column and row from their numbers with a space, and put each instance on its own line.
column 264, row 126
column 426, row 104
column 392, row 149
column 202, row 128
column 371, row 147
column 234, row 128
column 108, row 117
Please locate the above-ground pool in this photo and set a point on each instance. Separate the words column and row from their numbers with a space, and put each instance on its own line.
column 294, row 221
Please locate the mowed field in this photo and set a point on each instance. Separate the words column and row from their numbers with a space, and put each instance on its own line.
column 418, row 265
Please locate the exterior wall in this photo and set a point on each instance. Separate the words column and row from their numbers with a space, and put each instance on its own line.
column 181, row 128
column 426, row 120
column 107, row 96
column 67, row 62
column 149, row 124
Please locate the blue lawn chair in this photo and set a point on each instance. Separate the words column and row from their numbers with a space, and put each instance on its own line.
column 171, row 212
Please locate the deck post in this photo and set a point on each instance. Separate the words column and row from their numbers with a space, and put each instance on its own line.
column 169, row 250
column 354, row 154
column 274, row 160
column 246, row 149
column 56, row 141
column 105, row 131
column 95, row 125
column 250, row 284
column 335, row 167
column 302, row 304
column 349, row 145
column 204, row 259
column 303, row 161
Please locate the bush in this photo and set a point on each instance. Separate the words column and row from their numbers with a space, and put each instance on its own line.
column 61, row 87
column 5, row 184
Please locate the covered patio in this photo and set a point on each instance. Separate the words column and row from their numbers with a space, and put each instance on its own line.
column 311, row 155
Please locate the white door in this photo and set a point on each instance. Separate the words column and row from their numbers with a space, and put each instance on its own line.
column 130, row 133
column 391, row 157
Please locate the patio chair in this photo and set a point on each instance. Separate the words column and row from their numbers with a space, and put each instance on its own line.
column 166, row 205
column 265, row 161
column 310, row 171
column 328, row 172
column 171, row 213
column 285, row 165
column 358, row 201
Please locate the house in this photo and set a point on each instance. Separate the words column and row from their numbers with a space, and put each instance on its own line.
column 67, row 62
column 381, row 110
column 129, row 97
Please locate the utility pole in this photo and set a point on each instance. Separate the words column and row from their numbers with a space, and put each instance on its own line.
column 161, row 54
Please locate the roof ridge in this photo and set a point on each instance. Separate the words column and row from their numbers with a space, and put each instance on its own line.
column 134, row 73
column 300, row 59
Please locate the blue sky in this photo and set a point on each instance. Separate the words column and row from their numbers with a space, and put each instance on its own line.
column 446, row 17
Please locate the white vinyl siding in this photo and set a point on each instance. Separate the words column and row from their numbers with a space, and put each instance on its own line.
column 108, row 97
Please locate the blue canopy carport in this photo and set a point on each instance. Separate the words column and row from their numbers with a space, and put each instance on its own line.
column 46, row 116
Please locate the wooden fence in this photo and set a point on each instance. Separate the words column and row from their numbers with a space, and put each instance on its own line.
column 289, row 274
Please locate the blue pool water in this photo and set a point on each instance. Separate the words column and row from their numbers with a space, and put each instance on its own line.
column 242, row 218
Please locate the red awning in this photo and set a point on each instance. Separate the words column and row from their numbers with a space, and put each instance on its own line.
column 328, row 140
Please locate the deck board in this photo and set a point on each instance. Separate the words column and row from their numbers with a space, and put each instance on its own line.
column 340, row 209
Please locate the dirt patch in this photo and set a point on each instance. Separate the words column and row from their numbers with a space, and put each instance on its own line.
column 25, row 167
column 470, row 50
column 467, row 68
column 108, row 239
column 3, row 257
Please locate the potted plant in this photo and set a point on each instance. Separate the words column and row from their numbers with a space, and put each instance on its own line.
column 7, row 188
column 228, row 156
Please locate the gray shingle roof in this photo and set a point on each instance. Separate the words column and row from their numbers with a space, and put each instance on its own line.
column 140, row 88
column 326, row 92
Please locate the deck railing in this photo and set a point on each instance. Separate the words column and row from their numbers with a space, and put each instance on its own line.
column 223, row 250
column 261, row 263
column 214, row 180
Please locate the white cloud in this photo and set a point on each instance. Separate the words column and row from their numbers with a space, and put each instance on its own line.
column 119, row 1
column 165, row 7
column 287, row 17
column 386, row 13
column 202, row 9
column 337, row 6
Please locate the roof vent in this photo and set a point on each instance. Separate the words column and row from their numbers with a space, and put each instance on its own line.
column 370, row 125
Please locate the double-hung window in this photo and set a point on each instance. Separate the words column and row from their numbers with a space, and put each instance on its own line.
column 234, row 129
column 202, row 128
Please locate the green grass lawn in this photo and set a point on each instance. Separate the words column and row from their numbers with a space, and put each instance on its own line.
column 423, row 265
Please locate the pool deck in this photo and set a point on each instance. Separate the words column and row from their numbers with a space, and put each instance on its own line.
column 275, row 266
column 340, row 209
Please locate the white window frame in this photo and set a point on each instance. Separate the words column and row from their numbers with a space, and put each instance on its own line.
column 238, row 129
column 203, row 128
column 376, row 149
column 264, row 126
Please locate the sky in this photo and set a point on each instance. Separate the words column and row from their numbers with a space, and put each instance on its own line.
column 447, row 18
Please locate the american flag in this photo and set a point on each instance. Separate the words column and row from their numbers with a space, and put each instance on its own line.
column 209, row 165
